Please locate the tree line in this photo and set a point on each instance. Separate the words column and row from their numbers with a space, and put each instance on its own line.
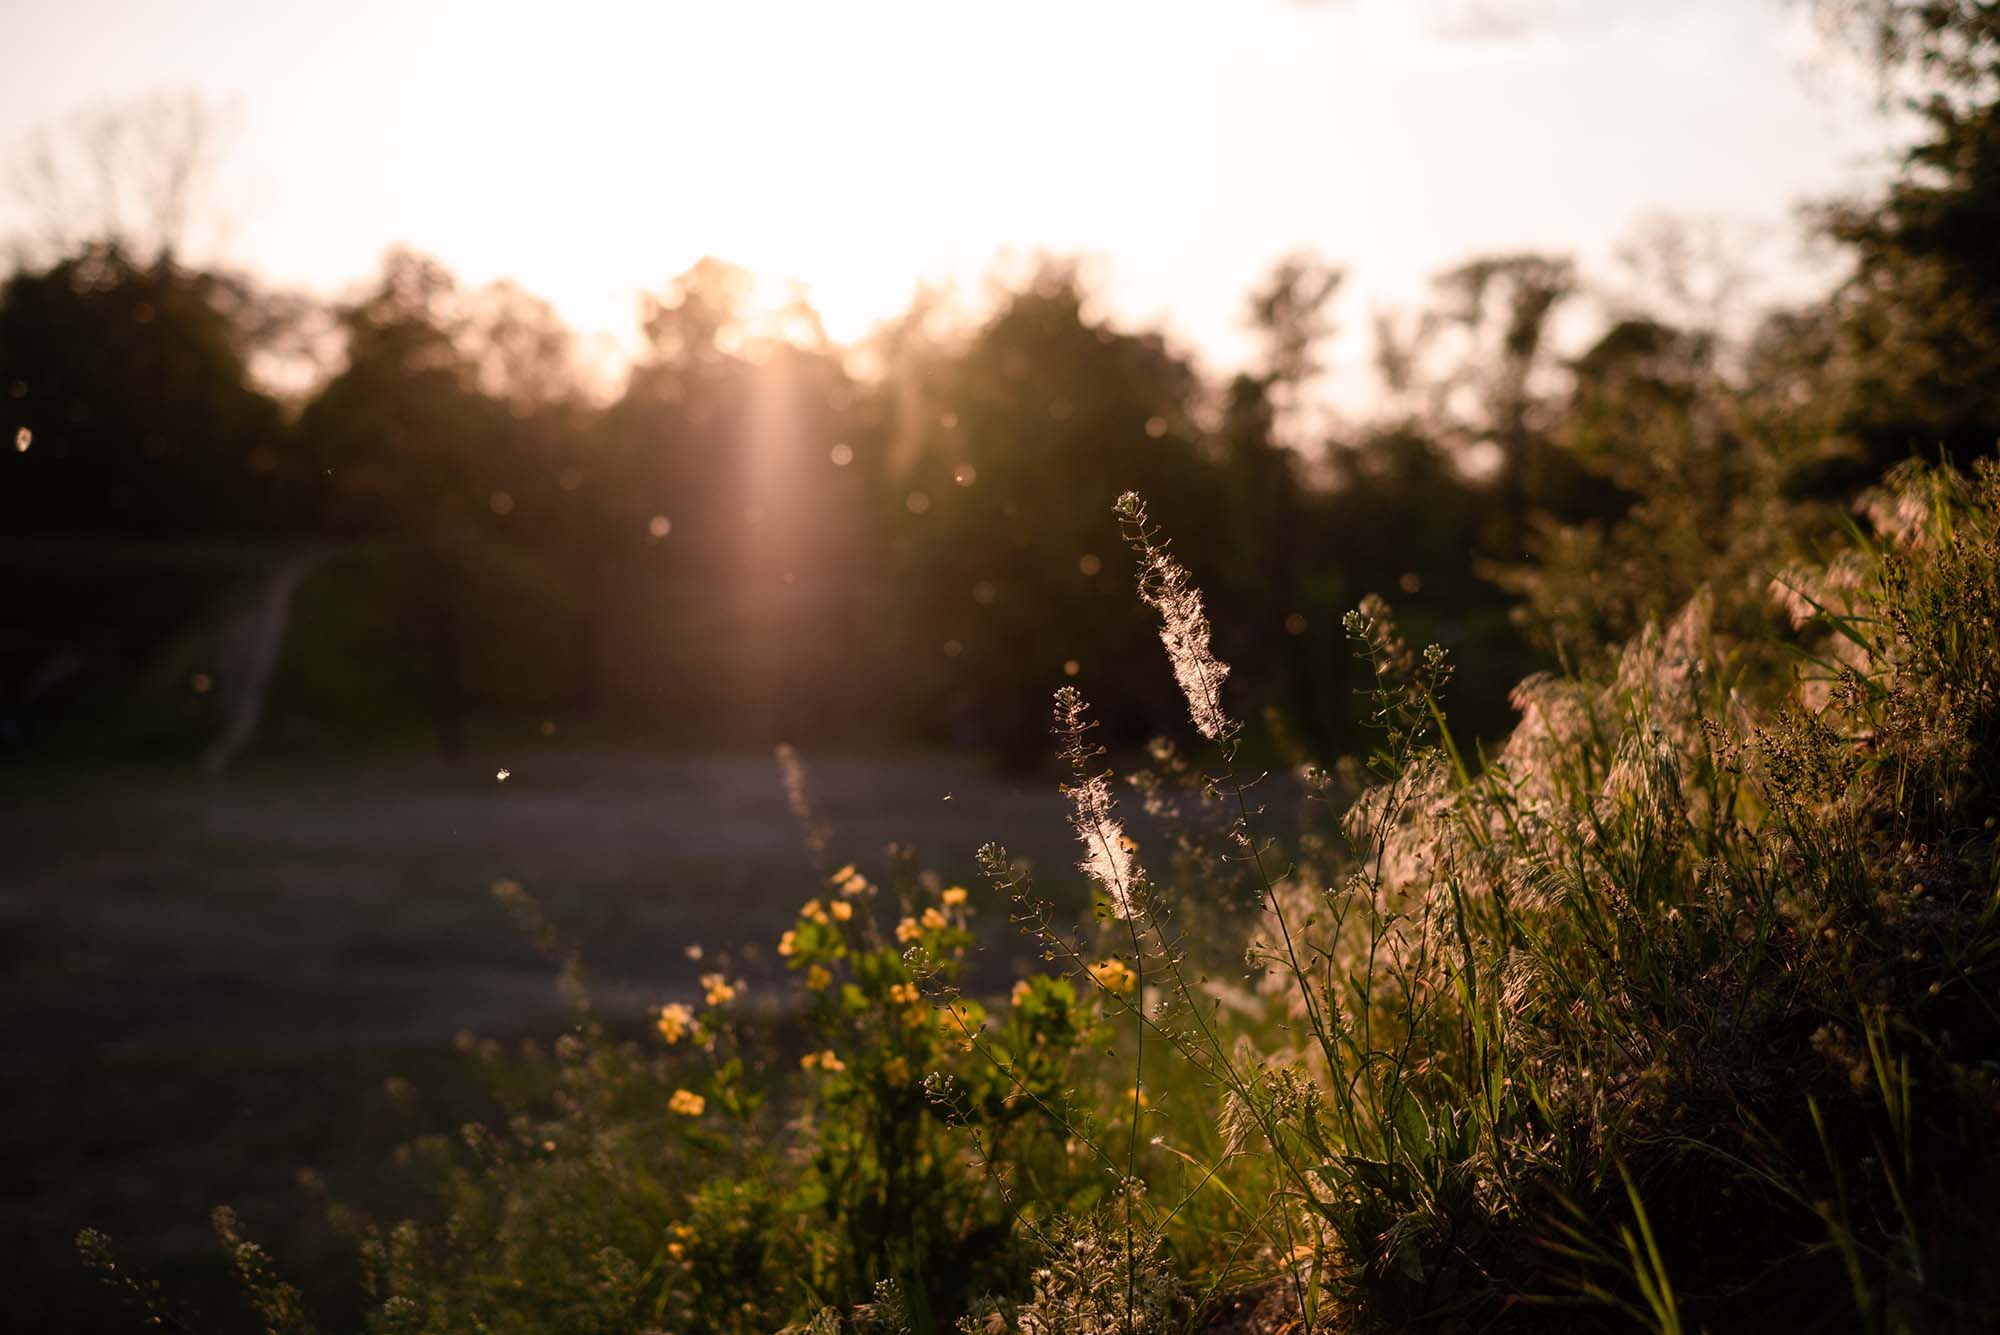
column 760, row 534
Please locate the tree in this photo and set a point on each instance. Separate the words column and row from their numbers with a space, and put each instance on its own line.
column 1914, row 347
column 132, row 380
column 137, row 176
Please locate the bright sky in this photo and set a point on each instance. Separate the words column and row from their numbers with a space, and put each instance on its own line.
column 590, row 149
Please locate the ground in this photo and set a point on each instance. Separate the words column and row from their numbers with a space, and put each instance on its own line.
column 210, row 984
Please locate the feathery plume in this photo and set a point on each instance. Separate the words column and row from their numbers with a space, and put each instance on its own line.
column 1165, row 587
column 1107, row 853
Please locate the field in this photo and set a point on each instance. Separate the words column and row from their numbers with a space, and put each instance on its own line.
column 209, row 985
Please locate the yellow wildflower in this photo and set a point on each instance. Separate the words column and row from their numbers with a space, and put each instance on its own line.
column 1114, row 976
column 675, row 1021
column 935, row 920
column 953, row 896
column 676, row 1250
column 896, row 1071
column 904, row 994
column 817, row 978
column 687, row 1103
column 842, row 910
column 718, row 989
column 830, row 1061
column 1021, row 992
column 813, row 911
column 907, row 930
column 788, row 943
column 841, row 877
column 809, row 1062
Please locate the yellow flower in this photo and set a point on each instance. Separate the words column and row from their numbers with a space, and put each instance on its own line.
column 817, row 978
column 687, row 1103
column 957, row 1025
column 1114, row 976
column 896, row 1071
column 812, row 911
column 718, row 989
column 676, row 1250
column 953, row 896
column 675, row 1021
column 809, row 1062
column 907, row 930
column 904, row 994
column 830, row 1061
column 850, row 881
column 935, row 920
column 842, row 910
column 1021, row 992
column 788, row 943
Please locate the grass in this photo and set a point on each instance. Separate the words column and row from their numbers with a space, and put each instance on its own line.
column 1675, row 1013
column 206, row 984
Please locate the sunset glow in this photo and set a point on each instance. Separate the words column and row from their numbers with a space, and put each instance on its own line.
column 862, row 150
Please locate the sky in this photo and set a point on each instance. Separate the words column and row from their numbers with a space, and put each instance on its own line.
column 589, row 150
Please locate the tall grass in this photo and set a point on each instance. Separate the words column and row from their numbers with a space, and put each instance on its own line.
column 1677, row 1013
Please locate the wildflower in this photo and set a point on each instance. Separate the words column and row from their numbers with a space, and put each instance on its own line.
column 953, row 896
column 907, row 930
column 1113, row 975
column 1021, row 992
column 812, row 911
column 934, row 920
column 841, row 910
column 809, row 1062
column 675, row 1021
column 1107, row 855
column 817, row 978
column 788, row 943
column 842, row 876
column 1184, row 629
column 904, row 994
column 828, row 1061
column 896, row 1071
column 719, row 990
column 850, row 881
column 687, row 1103
column 677, row 1250
column 957, row 1024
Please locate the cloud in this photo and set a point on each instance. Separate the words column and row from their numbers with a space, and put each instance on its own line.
column 1493, row 20
column 1478, row 21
